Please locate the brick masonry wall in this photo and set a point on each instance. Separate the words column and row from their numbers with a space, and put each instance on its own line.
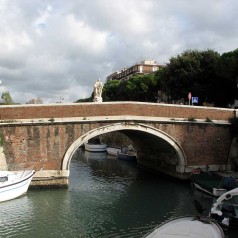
column 203, row 144
column 38, row 146
column 113, row 109
column 42, row 146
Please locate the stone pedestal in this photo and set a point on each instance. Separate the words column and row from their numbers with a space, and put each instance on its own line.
column 97, row 99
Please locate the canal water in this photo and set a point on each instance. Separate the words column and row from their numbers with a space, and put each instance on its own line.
column 105, row 198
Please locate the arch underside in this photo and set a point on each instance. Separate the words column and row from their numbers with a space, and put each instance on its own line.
column 154, row 147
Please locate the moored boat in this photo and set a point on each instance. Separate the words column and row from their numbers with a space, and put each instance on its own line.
column 225, row 209
column 94, row 145
column 113, row 150
column 211, row 183
column 128, row 154
column 188, row 227
column 14, row 184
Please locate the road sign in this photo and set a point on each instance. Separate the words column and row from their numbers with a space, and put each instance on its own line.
column 194, row 99
column 189, row 95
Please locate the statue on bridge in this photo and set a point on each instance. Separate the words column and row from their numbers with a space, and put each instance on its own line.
column 98, row 86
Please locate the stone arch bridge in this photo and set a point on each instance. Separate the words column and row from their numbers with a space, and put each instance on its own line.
column 172, row 139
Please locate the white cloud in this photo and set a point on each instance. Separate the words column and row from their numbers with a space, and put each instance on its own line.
column 84, row 36
column 52, row 49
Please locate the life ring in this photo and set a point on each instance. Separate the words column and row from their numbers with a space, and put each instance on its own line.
column 196, row 171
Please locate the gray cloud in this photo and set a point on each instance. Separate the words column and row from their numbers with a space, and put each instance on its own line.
column 54, row 49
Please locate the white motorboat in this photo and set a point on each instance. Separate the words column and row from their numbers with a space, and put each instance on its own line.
column 113, row 150
column 94, row 145
column 195, row 227
column 14, row 184
column 225, row 209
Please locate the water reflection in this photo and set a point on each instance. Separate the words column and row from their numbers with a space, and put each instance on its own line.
column 127, row 201
column 92, row 155
column 12, row 215
column 128, row 197
column 33, row 214
column 106, row 198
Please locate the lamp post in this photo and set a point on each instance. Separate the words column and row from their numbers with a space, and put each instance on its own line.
column 189, row 97
column 61, row 99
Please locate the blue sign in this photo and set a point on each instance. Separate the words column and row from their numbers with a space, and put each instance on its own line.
column 194, row 99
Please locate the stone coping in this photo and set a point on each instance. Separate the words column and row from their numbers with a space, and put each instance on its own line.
column 118, row 102
column 108, row 118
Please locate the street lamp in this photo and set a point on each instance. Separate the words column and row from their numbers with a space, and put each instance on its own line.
column 61, row 99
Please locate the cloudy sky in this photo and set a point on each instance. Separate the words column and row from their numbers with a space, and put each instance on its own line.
column 59, row 48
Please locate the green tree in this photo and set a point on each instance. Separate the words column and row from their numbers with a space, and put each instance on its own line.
column 138, row 88
column 192, row 71
column 142, row 88
column 207, row 77
column 6, row 98
column 110, row 91
column 89, row 99
column 227, row 71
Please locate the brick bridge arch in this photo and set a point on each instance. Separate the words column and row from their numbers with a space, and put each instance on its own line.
column 181, row 158
column 46, row 136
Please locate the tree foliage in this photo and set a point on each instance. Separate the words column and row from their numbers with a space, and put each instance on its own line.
column 6, row 98
column 35, row 101
column 192, row 71
column 110, row 91
column 210, row 77
column 89, row 99
column 138, row 88
column 227, row 71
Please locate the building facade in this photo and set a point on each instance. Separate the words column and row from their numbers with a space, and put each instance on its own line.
column 141, row 68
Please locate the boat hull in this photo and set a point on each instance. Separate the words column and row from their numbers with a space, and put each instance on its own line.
column 187, row 227
column 95, row 147
column 113, row 151
column 14, row 188
column 210, row 183
column 126, row 157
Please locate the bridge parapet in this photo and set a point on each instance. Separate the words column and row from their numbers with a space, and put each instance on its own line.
column 85, row 110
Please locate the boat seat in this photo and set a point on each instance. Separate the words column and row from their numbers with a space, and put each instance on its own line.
column 228, row 210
